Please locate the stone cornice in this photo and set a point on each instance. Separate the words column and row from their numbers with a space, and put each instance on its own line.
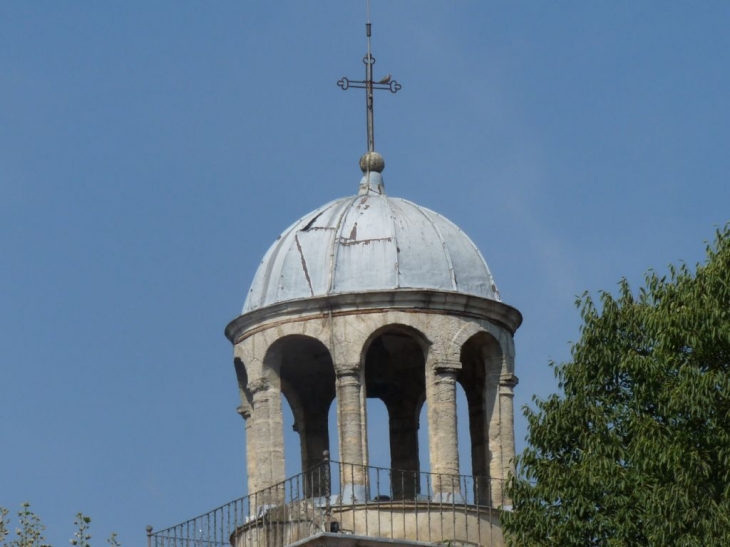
column 423, row 301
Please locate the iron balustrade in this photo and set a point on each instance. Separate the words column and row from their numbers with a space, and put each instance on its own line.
column 336, row 497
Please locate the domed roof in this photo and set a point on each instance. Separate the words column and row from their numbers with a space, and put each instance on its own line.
column 369, row 242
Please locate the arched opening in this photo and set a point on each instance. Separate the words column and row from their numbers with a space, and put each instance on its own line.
column 395, row 372
column 379, row 478
column 423, row 440
column 378, row 434
column 334, row 442
column 466, row 463
column 292, row 449
column 307, row 380
column 481, row 362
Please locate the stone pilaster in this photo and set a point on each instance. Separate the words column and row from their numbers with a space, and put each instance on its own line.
column 494, row 435
column 500, row 417
column 352, row 431
column 442, row 427
column 507, row 382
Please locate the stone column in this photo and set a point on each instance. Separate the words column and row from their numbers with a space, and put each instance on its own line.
column 494, row 435
column 507, row 382
column 442, row 429
column 352, row 432
column 268, row 442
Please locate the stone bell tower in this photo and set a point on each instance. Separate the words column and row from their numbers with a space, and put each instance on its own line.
column 372, row 296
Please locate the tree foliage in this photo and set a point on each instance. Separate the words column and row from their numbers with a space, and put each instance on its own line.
column 29, row 533
column 636, row 449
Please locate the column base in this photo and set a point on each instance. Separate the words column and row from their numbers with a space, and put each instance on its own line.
column 354, row 493
column 449, row 497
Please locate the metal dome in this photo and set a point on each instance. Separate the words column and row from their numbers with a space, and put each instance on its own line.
column 369, row 242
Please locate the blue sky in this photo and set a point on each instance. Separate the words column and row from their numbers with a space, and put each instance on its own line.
column 151, row 152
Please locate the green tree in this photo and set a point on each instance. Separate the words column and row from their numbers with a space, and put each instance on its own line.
column 30, row 531
column 3, row 525
column 82, row 535
column 636, row 449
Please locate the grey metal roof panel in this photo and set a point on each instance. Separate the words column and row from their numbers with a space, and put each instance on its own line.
column 422, row 256
column 365, row 253
column 472, row 275
column 265, row 286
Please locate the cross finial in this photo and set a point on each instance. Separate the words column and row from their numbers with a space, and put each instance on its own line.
column 369, row 85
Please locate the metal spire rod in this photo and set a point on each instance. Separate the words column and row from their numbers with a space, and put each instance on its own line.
column 369, row 62
column 369, row 85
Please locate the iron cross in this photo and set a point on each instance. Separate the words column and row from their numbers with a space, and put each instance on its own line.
column 369, row 85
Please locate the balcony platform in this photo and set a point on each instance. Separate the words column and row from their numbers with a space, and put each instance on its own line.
column 388, row 509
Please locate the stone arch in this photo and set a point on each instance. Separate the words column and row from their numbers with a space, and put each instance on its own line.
column 306, row 376
column 394, row 363
column 472, row 328
column 404, row 328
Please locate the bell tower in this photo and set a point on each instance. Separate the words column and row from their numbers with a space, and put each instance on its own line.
column 372, row 296
column 375, row 296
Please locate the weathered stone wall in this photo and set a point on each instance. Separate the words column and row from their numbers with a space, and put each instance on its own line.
column 375, row 524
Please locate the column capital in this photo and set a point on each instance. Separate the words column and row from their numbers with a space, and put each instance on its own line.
column 446, row 366
column 258, row 385
column 347, row 369
column 508, row 380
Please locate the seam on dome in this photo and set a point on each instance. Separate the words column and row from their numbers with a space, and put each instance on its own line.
column 270, row 258
column 447, row 255
column 395, row 238
column 309, row 224
column 304, row 264
column 492, row 284
column 265, row 281
column 335, row 240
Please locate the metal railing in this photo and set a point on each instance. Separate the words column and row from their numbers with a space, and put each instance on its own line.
column 342, row 498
